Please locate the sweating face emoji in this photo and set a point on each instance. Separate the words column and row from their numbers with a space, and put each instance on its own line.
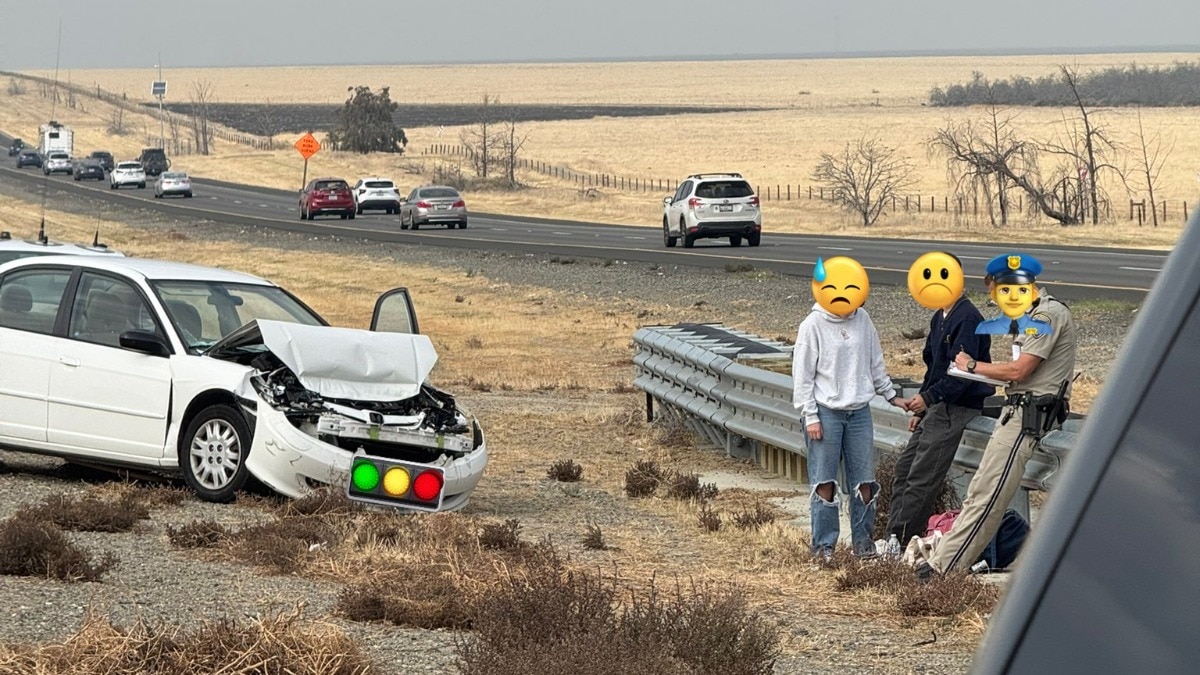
column 935, row 280
column 1014, row 299
column 840, row 285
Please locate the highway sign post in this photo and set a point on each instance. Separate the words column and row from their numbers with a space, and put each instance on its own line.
column 308, row 145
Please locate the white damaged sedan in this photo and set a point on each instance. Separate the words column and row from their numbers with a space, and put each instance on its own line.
column 221, row 376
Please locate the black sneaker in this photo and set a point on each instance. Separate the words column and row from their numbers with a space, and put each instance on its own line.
column 925, row 572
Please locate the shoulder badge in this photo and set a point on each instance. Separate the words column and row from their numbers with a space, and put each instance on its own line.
column 1042, row 316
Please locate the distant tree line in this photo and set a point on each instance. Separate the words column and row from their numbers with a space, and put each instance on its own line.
column 1133, row 85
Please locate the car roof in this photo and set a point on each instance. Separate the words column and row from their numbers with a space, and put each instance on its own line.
column 367, row 178
column 150, row 269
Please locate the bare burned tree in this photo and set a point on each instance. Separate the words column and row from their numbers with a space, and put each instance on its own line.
column 968, row 149
column 1088, row 150
column 201, row 99
column 864, row 177
column 510, row 147
column 268, row 121
column 992, row 137
column 483, row 141
column 1152, row 156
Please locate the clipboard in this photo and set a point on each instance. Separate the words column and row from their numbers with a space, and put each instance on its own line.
column 955, row 372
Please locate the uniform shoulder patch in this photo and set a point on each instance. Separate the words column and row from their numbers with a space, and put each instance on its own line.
column 1041, row 316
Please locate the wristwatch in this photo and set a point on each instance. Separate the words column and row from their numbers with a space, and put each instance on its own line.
column 971, row 366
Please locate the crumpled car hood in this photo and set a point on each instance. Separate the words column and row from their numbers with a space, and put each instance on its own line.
column 342, row 363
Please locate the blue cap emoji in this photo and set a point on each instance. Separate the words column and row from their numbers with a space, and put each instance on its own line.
column 1014, row 268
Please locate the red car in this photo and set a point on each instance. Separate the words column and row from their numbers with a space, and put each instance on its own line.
column 327, row 195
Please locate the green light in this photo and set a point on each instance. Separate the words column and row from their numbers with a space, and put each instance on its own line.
column 365, row 476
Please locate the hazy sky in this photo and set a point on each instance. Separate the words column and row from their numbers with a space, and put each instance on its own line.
column 131, row 33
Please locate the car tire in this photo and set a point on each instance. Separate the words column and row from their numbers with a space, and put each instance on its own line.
column 76, row 179
column 415, row 226
column 187, row 195
column 358, row 210
column 689, row 240
column 735, row 241
column 668, row 239
column 308, row 214
column 462, row 225
column 754, row 238
column 157, row 196
column 350, row 215
column 213, row 452
column 141, row 186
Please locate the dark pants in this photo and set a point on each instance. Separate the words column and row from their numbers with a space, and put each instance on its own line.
column 922, row 467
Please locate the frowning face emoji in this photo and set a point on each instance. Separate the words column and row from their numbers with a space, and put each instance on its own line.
column 840, row 285
column 935, row 280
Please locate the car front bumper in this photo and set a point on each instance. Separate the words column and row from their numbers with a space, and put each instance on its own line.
column 292, row 462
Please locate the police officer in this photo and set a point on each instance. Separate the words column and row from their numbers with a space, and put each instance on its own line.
column 1040, row 373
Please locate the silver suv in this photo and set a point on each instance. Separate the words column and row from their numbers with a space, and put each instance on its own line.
column 711, row 206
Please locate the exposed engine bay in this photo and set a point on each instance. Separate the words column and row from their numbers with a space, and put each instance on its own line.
column 421, row 428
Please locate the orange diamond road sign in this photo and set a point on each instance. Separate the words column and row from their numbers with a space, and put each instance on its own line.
column 308, row 145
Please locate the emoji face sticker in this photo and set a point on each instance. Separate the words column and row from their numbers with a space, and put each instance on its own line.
column 935, row 280
column 1014, row 299
column 840, row 285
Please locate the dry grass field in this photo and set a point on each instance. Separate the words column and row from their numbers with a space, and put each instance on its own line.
column 809, row 107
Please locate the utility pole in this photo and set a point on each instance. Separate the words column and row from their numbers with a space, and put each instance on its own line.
column 162, row 134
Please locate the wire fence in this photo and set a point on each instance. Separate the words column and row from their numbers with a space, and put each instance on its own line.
column 1168, row 210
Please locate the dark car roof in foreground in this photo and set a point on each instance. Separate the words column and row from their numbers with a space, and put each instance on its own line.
column 1109, row 582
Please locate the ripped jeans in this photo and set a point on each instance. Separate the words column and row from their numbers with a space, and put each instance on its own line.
column 847, row 436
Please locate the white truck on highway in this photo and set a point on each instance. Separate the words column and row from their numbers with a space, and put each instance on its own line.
column 55, row 137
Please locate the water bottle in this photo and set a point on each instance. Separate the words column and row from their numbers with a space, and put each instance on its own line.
column 893, row 546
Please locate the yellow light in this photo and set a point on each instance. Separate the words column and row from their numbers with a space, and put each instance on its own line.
column 395, row 481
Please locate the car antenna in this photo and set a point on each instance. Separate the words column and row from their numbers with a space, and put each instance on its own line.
column 42, row 232
column 96, row 240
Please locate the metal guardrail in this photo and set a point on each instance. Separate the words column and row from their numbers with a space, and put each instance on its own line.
column 701, row 374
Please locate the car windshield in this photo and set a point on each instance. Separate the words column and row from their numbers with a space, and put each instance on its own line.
column 379, row 184
column 205, row 311
column 438, row 193
column 724, row 189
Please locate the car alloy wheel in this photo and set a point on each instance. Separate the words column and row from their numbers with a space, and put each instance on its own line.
column 213, row 454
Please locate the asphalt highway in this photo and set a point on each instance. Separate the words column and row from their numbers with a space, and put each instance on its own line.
column 1070, row 272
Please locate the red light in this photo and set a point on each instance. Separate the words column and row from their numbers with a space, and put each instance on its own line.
column 427, row 486
column 694, row 202
column 460, row 204
column 754, row 201
column 362, row 191
column 424, row 205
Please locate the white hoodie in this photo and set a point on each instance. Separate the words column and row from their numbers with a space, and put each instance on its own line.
column 837, row 363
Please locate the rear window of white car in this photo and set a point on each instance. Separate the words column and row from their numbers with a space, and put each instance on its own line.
column 379, row 184
column 724, row 189
column 129, row 165
column 59, row 155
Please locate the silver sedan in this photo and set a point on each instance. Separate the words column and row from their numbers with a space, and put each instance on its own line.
column 172, row 183
column 433, row 205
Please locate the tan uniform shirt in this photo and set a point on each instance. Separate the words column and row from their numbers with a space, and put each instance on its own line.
column 1057, row 349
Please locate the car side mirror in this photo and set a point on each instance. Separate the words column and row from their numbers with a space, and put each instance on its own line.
column 667, row 201
column 145, row 342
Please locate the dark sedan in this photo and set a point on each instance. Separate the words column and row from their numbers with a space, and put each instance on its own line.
column 105, row 158
column 29, row 157
column 89, row 169
column 16, row 147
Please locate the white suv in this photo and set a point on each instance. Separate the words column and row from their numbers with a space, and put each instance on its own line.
column 711, row 206
column 57, row 162
column 127, row 173
column 376, row 193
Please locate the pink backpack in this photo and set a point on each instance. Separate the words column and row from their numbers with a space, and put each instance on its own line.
column 941, row 522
